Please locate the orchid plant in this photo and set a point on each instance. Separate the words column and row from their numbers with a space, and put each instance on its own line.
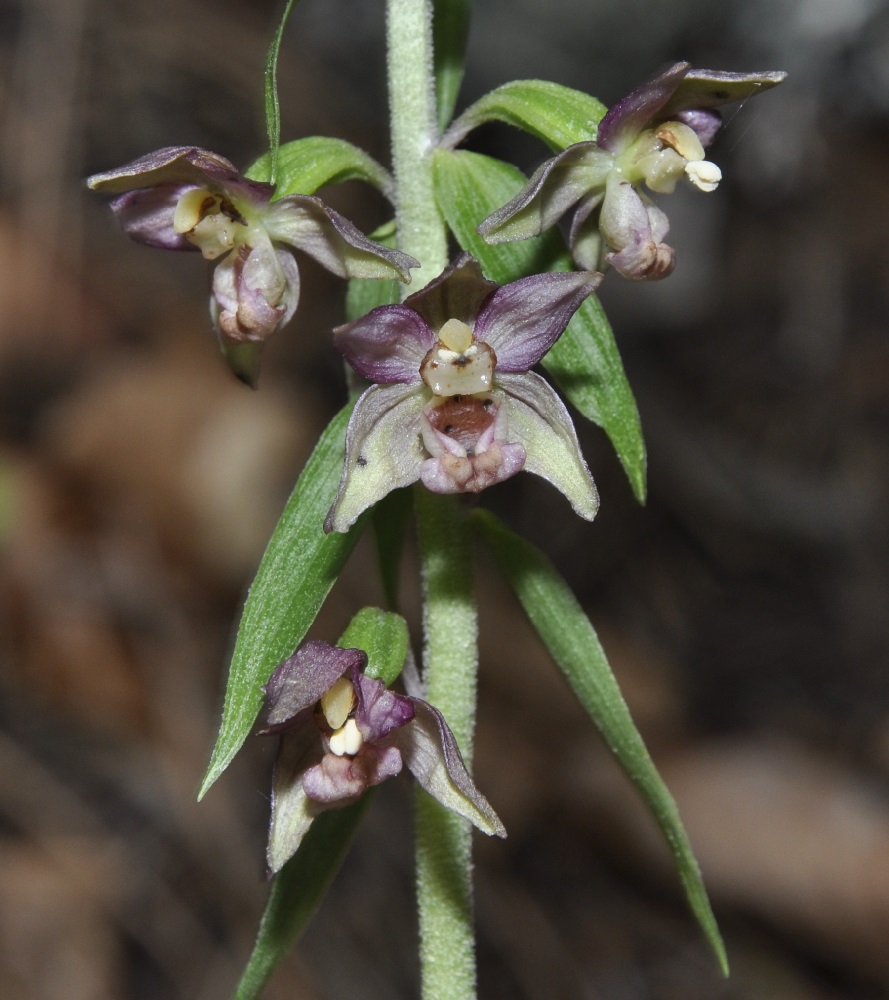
column 451, row 406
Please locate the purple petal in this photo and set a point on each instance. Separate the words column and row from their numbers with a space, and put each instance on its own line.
column 433, row 757
column 384, row 450
column 308, row 224
column 457, row 293
column 553, row 189
column 188, row 166
column 146, row 215
column 379, row 710
column 521, row 321
column 387, row 345
column 337, row 781
column 631, row 114
column 704, row 122
column 299, row 682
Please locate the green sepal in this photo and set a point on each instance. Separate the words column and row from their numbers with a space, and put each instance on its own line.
column 383, row 636
column 450, row 31
column 584, row 361
column 305, row 165
column 297, row 891
column 569, row 636
column 364, row 294
column 557, row 115
column 272, row 104
column 300, row 565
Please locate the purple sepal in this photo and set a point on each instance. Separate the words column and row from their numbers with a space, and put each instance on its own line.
column 299, row 682
column 387, row 345
column 708, row 88
column 186, row 166
column 457, row 293
column 631, row 114
column 522, row 320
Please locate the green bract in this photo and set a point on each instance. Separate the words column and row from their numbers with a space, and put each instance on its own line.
column 557, row 115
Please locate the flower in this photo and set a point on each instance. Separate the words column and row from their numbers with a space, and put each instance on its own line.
column 185, row 198
column 454, row 404
column 344, row 732
column 654, row 136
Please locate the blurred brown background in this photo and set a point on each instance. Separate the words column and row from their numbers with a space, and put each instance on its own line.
column 744, row 608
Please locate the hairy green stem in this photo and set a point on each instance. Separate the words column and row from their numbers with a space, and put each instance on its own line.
column 414, row 124
column 444, row 846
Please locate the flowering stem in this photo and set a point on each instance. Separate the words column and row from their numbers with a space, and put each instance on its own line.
column 414, row 125
column 444, row 846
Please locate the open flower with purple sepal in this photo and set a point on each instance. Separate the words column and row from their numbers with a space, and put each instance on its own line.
column 344, row 732
column 185, row 198
column 455, row 404
column 653, row 137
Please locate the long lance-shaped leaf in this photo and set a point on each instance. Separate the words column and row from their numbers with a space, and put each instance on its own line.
column 305, row 165
column 585, row 361
column 450, row 27
column 555, row 114
column 272, row 104
column 297, row 890
column 570, row 638
column 300, row 565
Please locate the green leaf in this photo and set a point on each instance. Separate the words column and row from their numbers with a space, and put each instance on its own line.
column 298, row 569
column 383, row 636
column 272, row 104
column 586, row 365
column 305, row 165
column 555, row 114
column 450, row 27
column 297, row 891
column 571, row 640
column 585, row 361
column 390, row 519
